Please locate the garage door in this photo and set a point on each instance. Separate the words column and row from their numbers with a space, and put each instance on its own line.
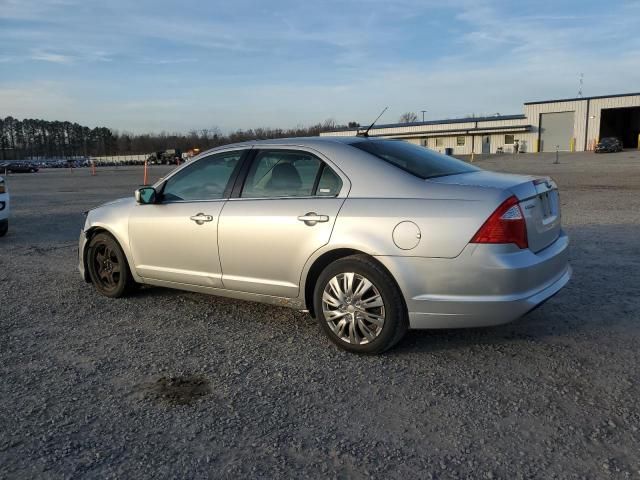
column 556, row 129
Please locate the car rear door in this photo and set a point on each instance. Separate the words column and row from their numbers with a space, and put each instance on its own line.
column 176, row 239
column 284, row 211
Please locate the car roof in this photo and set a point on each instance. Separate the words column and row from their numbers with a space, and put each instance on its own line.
column 307, row 140
column 310, row 142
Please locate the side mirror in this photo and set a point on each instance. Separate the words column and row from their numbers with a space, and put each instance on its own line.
column 145, row 195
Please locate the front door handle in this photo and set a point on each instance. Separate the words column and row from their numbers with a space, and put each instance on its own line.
column 200, row 218
column 312, row 218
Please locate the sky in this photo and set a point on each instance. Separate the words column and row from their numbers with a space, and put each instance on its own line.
column 150, row 66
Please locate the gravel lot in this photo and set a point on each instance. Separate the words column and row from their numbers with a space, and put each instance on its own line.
column 173, row 384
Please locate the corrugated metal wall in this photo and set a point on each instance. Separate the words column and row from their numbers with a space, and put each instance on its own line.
column 451, row 141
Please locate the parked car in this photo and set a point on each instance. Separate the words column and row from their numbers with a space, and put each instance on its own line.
column 609, row 145
column 370, row 236
column 4, row 207
column 20, row 167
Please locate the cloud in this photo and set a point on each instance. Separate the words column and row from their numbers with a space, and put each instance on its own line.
column 51, row 57
column 167, row 61
column 32, row 9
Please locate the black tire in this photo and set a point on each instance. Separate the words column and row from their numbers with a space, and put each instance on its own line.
column 4, row 227
column 396, row 321
column 108, row 267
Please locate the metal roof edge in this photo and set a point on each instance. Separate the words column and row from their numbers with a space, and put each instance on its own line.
column 577, row 99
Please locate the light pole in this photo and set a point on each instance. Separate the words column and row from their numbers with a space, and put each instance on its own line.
column 423, row 112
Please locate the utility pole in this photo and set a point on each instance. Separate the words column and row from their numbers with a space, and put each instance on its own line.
column 581, row 82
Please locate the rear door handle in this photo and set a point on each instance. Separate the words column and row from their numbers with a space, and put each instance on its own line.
column 200, row 218
column 312, row 218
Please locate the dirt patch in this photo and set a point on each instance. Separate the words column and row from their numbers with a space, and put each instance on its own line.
column 182, row 390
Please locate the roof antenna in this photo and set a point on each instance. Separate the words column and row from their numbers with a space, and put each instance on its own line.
column 366, row 132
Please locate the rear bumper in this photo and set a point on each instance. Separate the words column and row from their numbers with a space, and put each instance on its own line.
column 485, row 285
column 467, row 312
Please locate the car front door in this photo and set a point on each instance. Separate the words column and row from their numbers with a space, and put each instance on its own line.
column 283, row 213
column 176, row 239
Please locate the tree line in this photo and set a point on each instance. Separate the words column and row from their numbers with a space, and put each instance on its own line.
column 37, row 139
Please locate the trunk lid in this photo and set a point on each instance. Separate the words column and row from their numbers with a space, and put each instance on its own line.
column 542, row 213
column 539, row 201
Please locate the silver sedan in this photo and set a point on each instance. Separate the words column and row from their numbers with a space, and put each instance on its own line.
column 371, row 237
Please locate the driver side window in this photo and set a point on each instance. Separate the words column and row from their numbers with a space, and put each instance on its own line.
column 206, row 179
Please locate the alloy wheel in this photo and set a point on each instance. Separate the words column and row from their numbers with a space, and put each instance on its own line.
column 107, row 266
column 353, row 308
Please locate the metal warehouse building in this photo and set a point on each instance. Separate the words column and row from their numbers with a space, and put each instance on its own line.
column 573, row 124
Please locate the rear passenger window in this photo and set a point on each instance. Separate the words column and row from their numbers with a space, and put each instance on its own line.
column 289, row 173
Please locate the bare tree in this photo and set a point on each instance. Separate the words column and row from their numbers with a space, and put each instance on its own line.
column 36, row 138
column 408, row 117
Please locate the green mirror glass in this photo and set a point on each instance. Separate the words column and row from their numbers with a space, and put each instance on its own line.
column 146, row 195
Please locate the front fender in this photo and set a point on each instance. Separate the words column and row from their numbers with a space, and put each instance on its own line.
column 112, row 218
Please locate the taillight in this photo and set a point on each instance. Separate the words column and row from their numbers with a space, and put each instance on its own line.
column 505, row 225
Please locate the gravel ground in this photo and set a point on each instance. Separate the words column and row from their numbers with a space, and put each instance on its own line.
column 173, row 384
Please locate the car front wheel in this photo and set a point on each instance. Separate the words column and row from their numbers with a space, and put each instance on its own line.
column 108, row 267
column 359, row 306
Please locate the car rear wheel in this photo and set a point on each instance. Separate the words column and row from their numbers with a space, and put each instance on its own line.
column 359, row 306
column 108, row 267
column 4, row 227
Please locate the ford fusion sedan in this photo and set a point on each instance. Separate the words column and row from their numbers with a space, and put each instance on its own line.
column 370, row 236
column 4, row 207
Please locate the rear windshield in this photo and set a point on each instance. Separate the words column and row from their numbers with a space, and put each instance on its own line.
column 419, row 161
